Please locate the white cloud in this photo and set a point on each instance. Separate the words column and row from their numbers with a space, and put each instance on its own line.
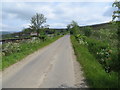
column 58, row 14
column 25, row 25
column 6, row 27
column 58, row 0
column 54, row 25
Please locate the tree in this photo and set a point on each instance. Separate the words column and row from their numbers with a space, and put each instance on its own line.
column 68, row 27
column 72, row 24
column 116, row 14
column 44, row 29
column 74, row 28
column 37, row 21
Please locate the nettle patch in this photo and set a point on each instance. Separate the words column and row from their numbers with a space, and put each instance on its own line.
column 101, row 50
column 81, row 39
column 10, row 47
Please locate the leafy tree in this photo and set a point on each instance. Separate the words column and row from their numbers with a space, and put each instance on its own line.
column 68, row 27
column 44, row 29
column 73, row 24
column 73, row 27
column 116, row 14
column 37, row 21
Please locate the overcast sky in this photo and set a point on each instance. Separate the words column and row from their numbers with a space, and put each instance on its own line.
column 16, row 16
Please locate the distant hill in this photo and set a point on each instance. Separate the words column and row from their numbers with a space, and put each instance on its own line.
column 102, row 25
column 5, row 32
column 107, row 25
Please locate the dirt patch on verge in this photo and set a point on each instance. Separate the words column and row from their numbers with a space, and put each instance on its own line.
column 80, row 81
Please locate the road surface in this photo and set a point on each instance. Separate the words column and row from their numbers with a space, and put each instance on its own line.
column 49, row 67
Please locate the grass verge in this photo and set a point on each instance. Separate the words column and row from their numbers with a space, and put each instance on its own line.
column 93, row 71
column 26, row 49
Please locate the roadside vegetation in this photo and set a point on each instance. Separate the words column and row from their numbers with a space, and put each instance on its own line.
column 99, row 57
column 95, row 74
column 14, row 52
column 97, row 50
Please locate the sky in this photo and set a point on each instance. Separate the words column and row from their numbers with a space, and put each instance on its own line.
column 16, row 15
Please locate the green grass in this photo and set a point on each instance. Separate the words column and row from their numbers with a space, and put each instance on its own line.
column 26, row 49
column 93, row 71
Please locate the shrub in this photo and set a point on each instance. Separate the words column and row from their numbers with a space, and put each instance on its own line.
column 114, row 61
column 105, row 55
column 87, row 31
column 10, row 48
column 42, row 37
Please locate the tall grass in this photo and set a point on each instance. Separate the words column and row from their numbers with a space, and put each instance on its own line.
column 93, row 71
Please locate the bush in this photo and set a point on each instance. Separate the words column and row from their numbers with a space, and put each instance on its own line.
column 106, row 56
column 115, row 62
column 10, row 48
column 87, row 31
column 43, row 37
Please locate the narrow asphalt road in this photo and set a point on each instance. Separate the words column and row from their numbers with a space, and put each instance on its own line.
column 49, row 67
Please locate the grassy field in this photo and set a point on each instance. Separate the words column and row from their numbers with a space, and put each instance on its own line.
column 23, row 49
column 93, row 71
